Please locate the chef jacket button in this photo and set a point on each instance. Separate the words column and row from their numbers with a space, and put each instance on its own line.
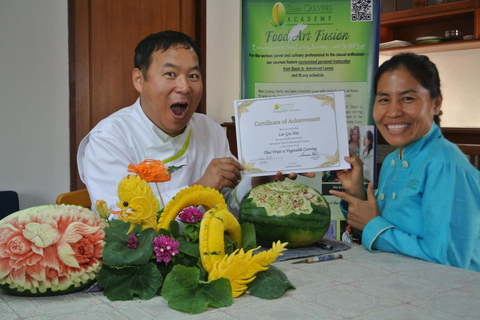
column 394, row 195
column 392, row 163
column 405, row 164
column 382, row 196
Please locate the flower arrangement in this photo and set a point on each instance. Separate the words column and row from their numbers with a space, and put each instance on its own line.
column 207, row 263
column 50, row 249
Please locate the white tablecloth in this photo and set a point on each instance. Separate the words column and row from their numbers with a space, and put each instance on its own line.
column 362, row 285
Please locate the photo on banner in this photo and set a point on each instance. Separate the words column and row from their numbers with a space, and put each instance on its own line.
column 315, row 46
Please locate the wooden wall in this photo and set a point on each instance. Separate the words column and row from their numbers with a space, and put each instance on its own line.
column 103, row 35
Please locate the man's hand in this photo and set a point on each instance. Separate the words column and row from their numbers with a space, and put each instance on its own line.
column 220, row 173
column 360, row 212
column 256, row 181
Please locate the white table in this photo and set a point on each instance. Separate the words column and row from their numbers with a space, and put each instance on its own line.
column 362, row 285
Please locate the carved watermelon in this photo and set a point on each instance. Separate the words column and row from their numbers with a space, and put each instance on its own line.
column 286, row 211
column 50, row 250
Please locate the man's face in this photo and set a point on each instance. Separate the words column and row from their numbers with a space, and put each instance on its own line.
column 172, row 90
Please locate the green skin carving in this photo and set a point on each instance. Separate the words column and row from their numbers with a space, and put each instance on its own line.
column 283, row 198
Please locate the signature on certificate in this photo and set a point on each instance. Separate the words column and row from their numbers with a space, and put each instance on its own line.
column 308, row 152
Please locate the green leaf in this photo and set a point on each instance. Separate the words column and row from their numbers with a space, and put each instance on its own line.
column 229, row 245
column 270, row 284
column 174, row 228
column 188, row 248
column 249, row 239
column 190, row 231
column 117, row 253
column 129, row 282
column 185, row 292
column 159, row 213
column 172, row 169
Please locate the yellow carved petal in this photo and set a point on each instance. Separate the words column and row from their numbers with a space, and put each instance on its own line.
column 267, row 257
column 192, row 196
column 215, row 223
column 240, row 267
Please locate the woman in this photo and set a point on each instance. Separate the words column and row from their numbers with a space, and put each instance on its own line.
column 428, row 200
column 367, row 156
column 354, row 141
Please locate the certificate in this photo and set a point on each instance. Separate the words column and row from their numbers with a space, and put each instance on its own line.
column 303, row 133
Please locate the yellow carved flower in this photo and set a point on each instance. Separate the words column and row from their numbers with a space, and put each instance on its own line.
column 192, row 196
column 240, row 267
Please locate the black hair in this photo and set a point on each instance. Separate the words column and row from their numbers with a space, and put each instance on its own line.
column 420, row 67
column 369, row 135
column 162, row 40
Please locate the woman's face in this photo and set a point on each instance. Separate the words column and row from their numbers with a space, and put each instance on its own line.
column 403, row 110
column 366, row 142
column 354, row 135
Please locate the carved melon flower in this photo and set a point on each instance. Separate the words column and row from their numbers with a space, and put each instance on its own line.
column 165, row 248
column 151, row 171
column 50, row 248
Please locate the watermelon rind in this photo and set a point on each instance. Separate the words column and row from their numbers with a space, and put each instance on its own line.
column 279, row 211
column 27, row 293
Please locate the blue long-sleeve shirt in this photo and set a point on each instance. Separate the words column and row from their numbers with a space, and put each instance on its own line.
column 429, row 199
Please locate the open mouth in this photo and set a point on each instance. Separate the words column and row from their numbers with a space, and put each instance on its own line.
column 178, row 109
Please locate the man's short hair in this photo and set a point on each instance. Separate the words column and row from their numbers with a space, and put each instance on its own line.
column 162, row 40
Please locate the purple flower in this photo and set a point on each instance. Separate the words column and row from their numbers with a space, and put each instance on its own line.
column 132, row 243
column 165, row 248
column 190, row 215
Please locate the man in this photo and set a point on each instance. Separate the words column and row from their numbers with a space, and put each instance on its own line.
column 162, row 125
column 347, row 235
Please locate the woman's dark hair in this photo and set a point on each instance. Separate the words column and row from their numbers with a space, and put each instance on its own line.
column 369, row 135
column 161, row 41
column 420, row 67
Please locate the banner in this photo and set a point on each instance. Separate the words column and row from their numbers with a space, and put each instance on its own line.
column 303, row 47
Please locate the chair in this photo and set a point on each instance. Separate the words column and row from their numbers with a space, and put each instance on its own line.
column 473, row 153
column 78, row 197
column 8, row 203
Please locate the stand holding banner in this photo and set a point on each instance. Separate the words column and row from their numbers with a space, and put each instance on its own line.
column 316, row 46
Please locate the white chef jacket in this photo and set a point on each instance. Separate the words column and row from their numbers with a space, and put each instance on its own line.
column 128, row 136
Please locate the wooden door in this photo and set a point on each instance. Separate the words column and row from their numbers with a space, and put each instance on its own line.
column 103, row 35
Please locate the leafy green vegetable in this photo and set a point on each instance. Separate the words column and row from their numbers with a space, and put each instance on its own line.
column 270, row 284
column 249, row 239
column 174, row 229
column 116, row 251
column 229, row 244
column 172, row 169
column 191, row 231
column 185, row 292
column 129, row 282
column 188, row 248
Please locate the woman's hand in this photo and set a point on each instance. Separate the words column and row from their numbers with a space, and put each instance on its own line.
column 360, row 212
column 352, row 179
